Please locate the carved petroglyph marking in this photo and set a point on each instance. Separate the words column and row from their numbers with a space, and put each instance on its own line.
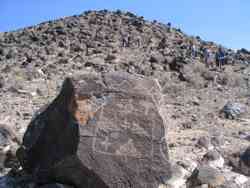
column 120, row 84
column 106, row 143
column 137, row 129
column 128, row 149
column 121, row 143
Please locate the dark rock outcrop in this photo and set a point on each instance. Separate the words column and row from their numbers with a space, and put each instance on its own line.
column 51, row 140
column 244, row 162
column 233, row 110
column 55, row 185
column 103, row 130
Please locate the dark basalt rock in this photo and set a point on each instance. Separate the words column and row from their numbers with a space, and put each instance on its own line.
column 233, row 110
column 103, row 130
column 52, row 138
column 244, row 162
column 55, row 185
column 126, row 133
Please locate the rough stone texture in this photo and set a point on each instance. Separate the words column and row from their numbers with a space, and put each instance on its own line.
column 56, row 185
column 10, row 182
column 213, row 159
column 233, row 110
column 8, row 144
column 7, row 182
column 49, row 147
column 7, row 136
column 206, row 175
column 127, row 127
column 178, row 177
column 35, row 60
column 244, row 162
column 119, row 137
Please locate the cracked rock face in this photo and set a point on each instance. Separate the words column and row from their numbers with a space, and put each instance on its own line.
column 103, row 130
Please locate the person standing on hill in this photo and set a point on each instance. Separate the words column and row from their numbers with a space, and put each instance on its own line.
column 125, row 39
column 193, row 50
column 169, row 27
column 220, row 57
column 208, row 58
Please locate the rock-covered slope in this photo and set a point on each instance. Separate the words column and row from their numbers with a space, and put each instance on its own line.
column 94, row 40
column 34, row 61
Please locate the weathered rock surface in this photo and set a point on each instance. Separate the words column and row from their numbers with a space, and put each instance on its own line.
column 233, row 110
column 244, row 162
column 207, row 175
column 7, row 182
column 103, row 130
column 10, row 182
column 213, row 159
column 55, row 185
column 9, row 142
column 35, row 60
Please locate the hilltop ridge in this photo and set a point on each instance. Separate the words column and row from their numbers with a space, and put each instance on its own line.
column 101, row 33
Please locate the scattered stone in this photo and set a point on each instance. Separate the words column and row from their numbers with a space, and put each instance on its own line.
column 244, row 135
column 213, row 159
column 8, row 144
column 206, row 175
column 178, row 177
column 180, row 172
column 217, row 140
column 196, row 101
column 241, row 179
column 233, row 110
column 188, row 165
column 205, row 142
column 187, row 125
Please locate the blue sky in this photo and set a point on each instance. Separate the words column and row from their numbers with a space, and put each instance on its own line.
column 224, row 21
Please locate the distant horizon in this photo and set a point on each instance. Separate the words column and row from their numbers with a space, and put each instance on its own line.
column 220, row 22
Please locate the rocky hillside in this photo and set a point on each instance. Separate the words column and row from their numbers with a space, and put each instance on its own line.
column 34, row 61
column 81, row 40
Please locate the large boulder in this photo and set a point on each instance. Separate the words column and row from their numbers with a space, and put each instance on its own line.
column 103, row 130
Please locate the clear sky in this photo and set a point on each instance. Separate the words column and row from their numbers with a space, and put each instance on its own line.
column 224, row 21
